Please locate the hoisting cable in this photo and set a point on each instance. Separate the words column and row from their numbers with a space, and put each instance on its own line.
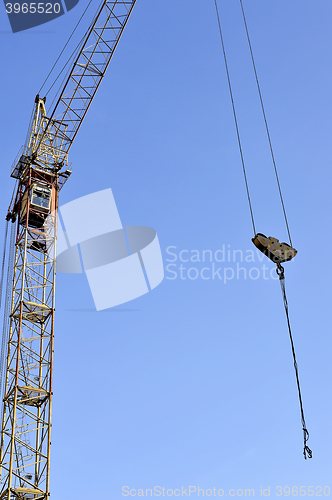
column 6, row 311
column 3, row 262
column 267, row 245
column 8, row 218
column 235, row 119
column 49, row 74
column 280, row 269
column 4, row 336
column 73, row 54
column 75, row 51
column 265, row 120
column 306, row 449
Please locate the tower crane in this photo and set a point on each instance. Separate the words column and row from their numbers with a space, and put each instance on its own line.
column 41, row 170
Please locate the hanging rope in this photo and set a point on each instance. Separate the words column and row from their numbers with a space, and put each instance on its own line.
column 49, row 74
column 306, row 449
column 280, row 270
column 66, row 74
column 266, row 125
column 3, row 262
column 235, row 119
column 6, row 312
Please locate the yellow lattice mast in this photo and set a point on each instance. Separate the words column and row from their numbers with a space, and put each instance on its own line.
column 41, row 170
column 26, row 416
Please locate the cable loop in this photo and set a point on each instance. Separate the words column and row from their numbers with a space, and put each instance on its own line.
column 306, row 449
column 280, row 271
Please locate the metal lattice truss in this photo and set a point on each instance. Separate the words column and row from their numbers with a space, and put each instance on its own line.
column 26, row 425
column 26, row 421
column 87, row 73
column 52, row 139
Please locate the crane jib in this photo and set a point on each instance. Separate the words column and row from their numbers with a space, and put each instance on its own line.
column 85, row 76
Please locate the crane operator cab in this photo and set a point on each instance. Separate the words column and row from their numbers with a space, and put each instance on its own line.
column 40, row 198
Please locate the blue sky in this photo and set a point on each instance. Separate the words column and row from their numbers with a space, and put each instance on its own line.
column 193, row 383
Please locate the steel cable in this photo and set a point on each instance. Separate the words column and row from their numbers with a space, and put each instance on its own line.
column 3, row 261
column 280, row 271
column 265, row 120
column 3, row 340
column 49, row 74
column 306, row 449
column 6, row 313
column 235, row 119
